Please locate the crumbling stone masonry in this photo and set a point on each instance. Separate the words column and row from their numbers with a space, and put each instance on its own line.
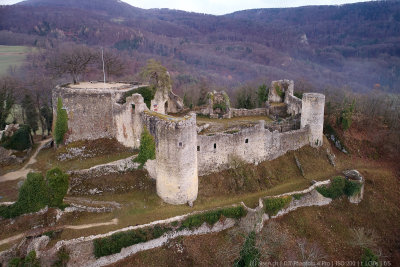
column 182, row 154
column 94, row 112
column 176, row 159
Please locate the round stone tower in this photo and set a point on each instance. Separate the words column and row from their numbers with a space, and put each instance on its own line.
column 176, row 158
column 312, row 114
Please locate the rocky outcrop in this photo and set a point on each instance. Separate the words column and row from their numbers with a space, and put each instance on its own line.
column 7, row 157
column 355, row 176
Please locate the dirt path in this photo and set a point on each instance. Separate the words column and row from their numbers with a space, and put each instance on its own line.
column 21, row 173
column 73, row 227
column 90, row 225
column 11, row 239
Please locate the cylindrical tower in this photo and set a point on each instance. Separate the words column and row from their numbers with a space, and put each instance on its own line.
column 176, row 157
column 312, row 114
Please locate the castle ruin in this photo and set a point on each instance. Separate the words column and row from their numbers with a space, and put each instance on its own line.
column 97, row 110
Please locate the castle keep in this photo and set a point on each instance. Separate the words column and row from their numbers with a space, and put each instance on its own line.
column 114, row 110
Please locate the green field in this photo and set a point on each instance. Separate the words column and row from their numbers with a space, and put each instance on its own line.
column 11, row 56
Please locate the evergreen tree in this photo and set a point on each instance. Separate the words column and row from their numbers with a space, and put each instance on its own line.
column 47, row 114
column 249, row 255
column 31, row 114
column 203, row 93
column 262, row 95
column 61, row 126
column 58, row 186
column 245, row 100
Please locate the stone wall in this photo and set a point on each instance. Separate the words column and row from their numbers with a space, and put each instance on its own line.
column 293, row 105
column 290, row 124
column 214, row 151
column 253, row 145
column 175, row 103
column 94, row 113
column 277, row 111
column 242, row 112
column 176, row 158
column 312, row 114
column 285, row 86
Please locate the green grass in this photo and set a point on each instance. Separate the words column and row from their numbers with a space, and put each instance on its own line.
column 11, row 56
column 274, row 205
column 144, row 206
column 47, row 159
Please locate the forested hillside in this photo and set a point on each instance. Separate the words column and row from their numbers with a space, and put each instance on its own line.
column 355, row 45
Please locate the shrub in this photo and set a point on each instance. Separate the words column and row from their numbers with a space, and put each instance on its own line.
column 147, row 93
column 340, row 186
column 147, row 149
column 234, row 212
column 61, row 126
column 369, row 259
column 249, row 254
column 345, row 119
column 33, row 194
column 298, row 94
column 297, row 196
column 58, row 186
column 351, row 188
column 279, row 91
column 273, row 205
column 335, row 189
column 262, row 95
column 36, row 193
column 30, row 260
column 114, row 243
column 222, row 106
column 212, row 217
column 50, row 234
column 20, row 140
column 16, row 262
column 62, row 257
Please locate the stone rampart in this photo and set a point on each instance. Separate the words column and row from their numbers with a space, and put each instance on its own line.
column 312, row 114
column 94, row 113
column 176, row 158
column 253, row 145
column 242, row 112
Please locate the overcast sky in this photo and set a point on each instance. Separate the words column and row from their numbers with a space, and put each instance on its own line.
column 219, row 7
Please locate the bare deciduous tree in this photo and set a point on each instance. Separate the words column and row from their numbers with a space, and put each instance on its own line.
column 272, row 241
column 364, row 238
column 309, row 253
column 70, row 59
column 114, row 64
column 156, row 74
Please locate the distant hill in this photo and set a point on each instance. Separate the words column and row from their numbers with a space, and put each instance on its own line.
column 356, row 45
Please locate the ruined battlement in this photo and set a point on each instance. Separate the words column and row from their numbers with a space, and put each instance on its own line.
column 102, row 86
column 95, row 111
column 176, row 158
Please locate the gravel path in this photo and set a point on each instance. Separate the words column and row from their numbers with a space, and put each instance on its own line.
column 21, row 173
